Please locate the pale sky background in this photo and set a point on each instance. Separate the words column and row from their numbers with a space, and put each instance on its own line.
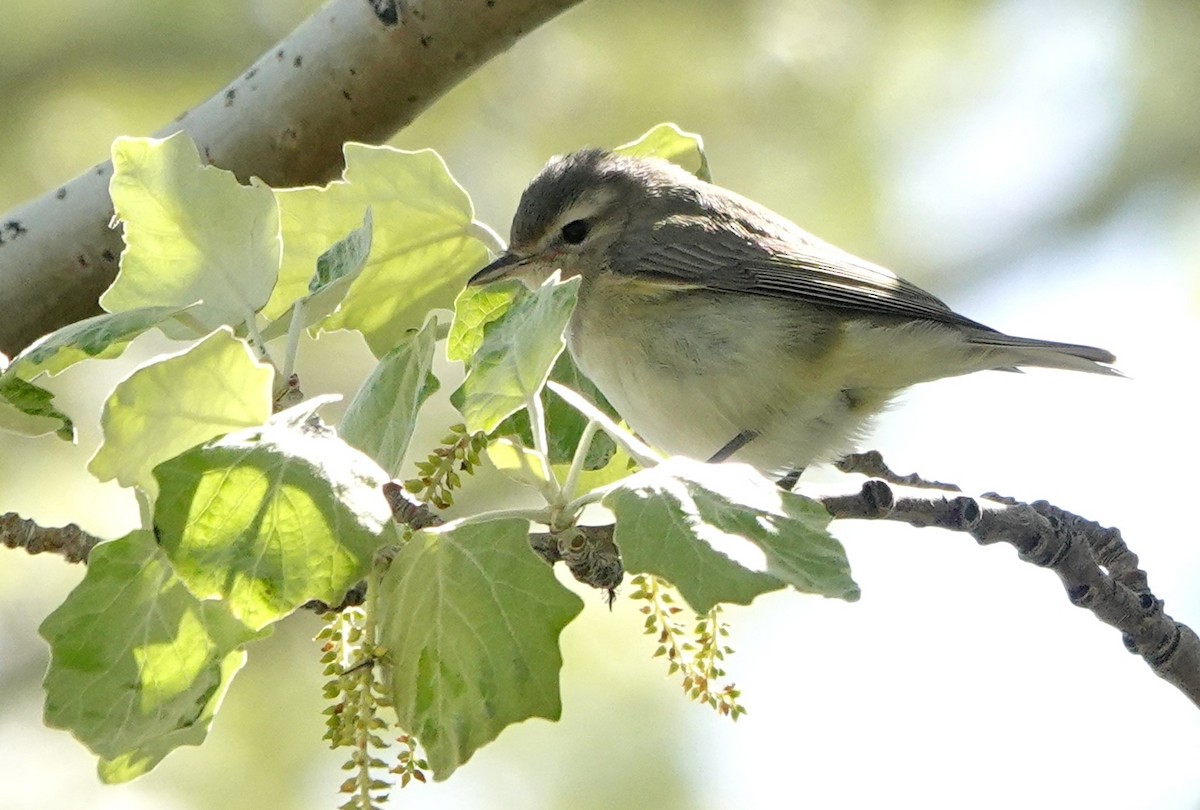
column 974, row 147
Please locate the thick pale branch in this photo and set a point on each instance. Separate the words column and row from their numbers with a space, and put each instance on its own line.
column 354, row 71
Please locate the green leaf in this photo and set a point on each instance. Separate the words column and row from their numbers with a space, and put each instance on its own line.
column 28, row 409
column 564, row 423
column 346, row 258
column 620, row 465
column 138, row 666
column 518, row 462
column 474, row 309
column 470, row 617
column 101, row 337
column 669, row 142
column 419, row 261
column 272, row 517
column 381, row 417
column 178, row 401
column 192, row 233
column 724, row 533
column 337, row 268
column 518, row 351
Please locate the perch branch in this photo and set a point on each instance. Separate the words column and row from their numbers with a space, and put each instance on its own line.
column 1097, row 569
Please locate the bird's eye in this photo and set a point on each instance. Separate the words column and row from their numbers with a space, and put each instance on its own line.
column 575, row 231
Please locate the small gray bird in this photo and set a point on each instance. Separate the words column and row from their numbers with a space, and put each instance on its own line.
column 719, row 329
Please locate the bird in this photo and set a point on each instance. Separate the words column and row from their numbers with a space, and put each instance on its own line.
column 721, row 330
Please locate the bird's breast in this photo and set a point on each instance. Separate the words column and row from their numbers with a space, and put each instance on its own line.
column 690, row 369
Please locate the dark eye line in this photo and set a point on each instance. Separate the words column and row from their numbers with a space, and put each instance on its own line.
column 575, row 231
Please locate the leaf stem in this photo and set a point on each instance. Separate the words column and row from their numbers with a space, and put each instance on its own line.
column 590, row 497
column 581, row 451
column 532, row 515
column 484, row 233
column 641, row 452
column 293, row 340
column 255, row 336
column 537, row 425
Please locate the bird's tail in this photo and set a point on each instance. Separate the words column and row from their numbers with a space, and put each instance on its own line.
column 1049, row 354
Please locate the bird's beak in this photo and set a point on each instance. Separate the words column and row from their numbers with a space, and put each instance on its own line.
column 497, row 270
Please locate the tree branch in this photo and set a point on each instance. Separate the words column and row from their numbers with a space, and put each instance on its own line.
column 1097, row 569
column 588, row 551
column 357, row 70
column 70, row 541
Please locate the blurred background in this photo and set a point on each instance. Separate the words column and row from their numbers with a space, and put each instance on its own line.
column 1035, row 164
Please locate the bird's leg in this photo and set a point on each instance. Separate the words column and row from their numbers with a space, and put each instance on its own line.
column 741, row 440
column 788, row 482
column 733, row 445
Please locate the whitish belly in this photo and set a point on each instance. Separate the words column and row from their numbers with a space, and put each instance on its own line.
column 689, row 385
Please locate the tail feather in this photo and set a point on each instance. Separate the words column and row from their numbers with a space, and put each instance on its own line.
column 1049, row 353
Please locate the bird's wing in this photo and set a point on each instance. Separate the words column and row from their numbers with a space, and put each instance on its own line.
column 814, row 273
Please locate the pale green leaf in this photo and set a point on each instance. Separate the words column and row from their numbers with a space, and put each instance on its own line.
column 669, row 142
column 380, row 419
column 138, row 666
column 346, row 258
column 725, row 533
column 518, row 351
column 564, row 423
column 100, row 337
column 519, row 463
column 192, row 234
column 336, row 270
column 271, row 517
column 619, row 465
column 638, row 450
column 178, row 401
column 474, row 309
column 423, row 250
column 471, row 617
column 28, row 409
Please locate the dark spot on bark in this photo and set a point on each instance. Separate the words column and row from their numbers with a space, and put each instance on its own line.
column 490, row 3
column 109, row 256
column 229, row 94
column 15, row 228
column 82, row 261
column 299, row 60
column 458, row 56
column 346, row 95
column 279, row 54
column 208, row 156
column 412, row 99
column 100, row 170
column 61, row 194
column 251, row 74
column 425, row 41
column 388, row 11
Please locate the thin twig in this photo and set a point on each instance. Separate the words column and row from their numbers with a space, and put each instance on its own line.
column 70, row 541
column 871, row 464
